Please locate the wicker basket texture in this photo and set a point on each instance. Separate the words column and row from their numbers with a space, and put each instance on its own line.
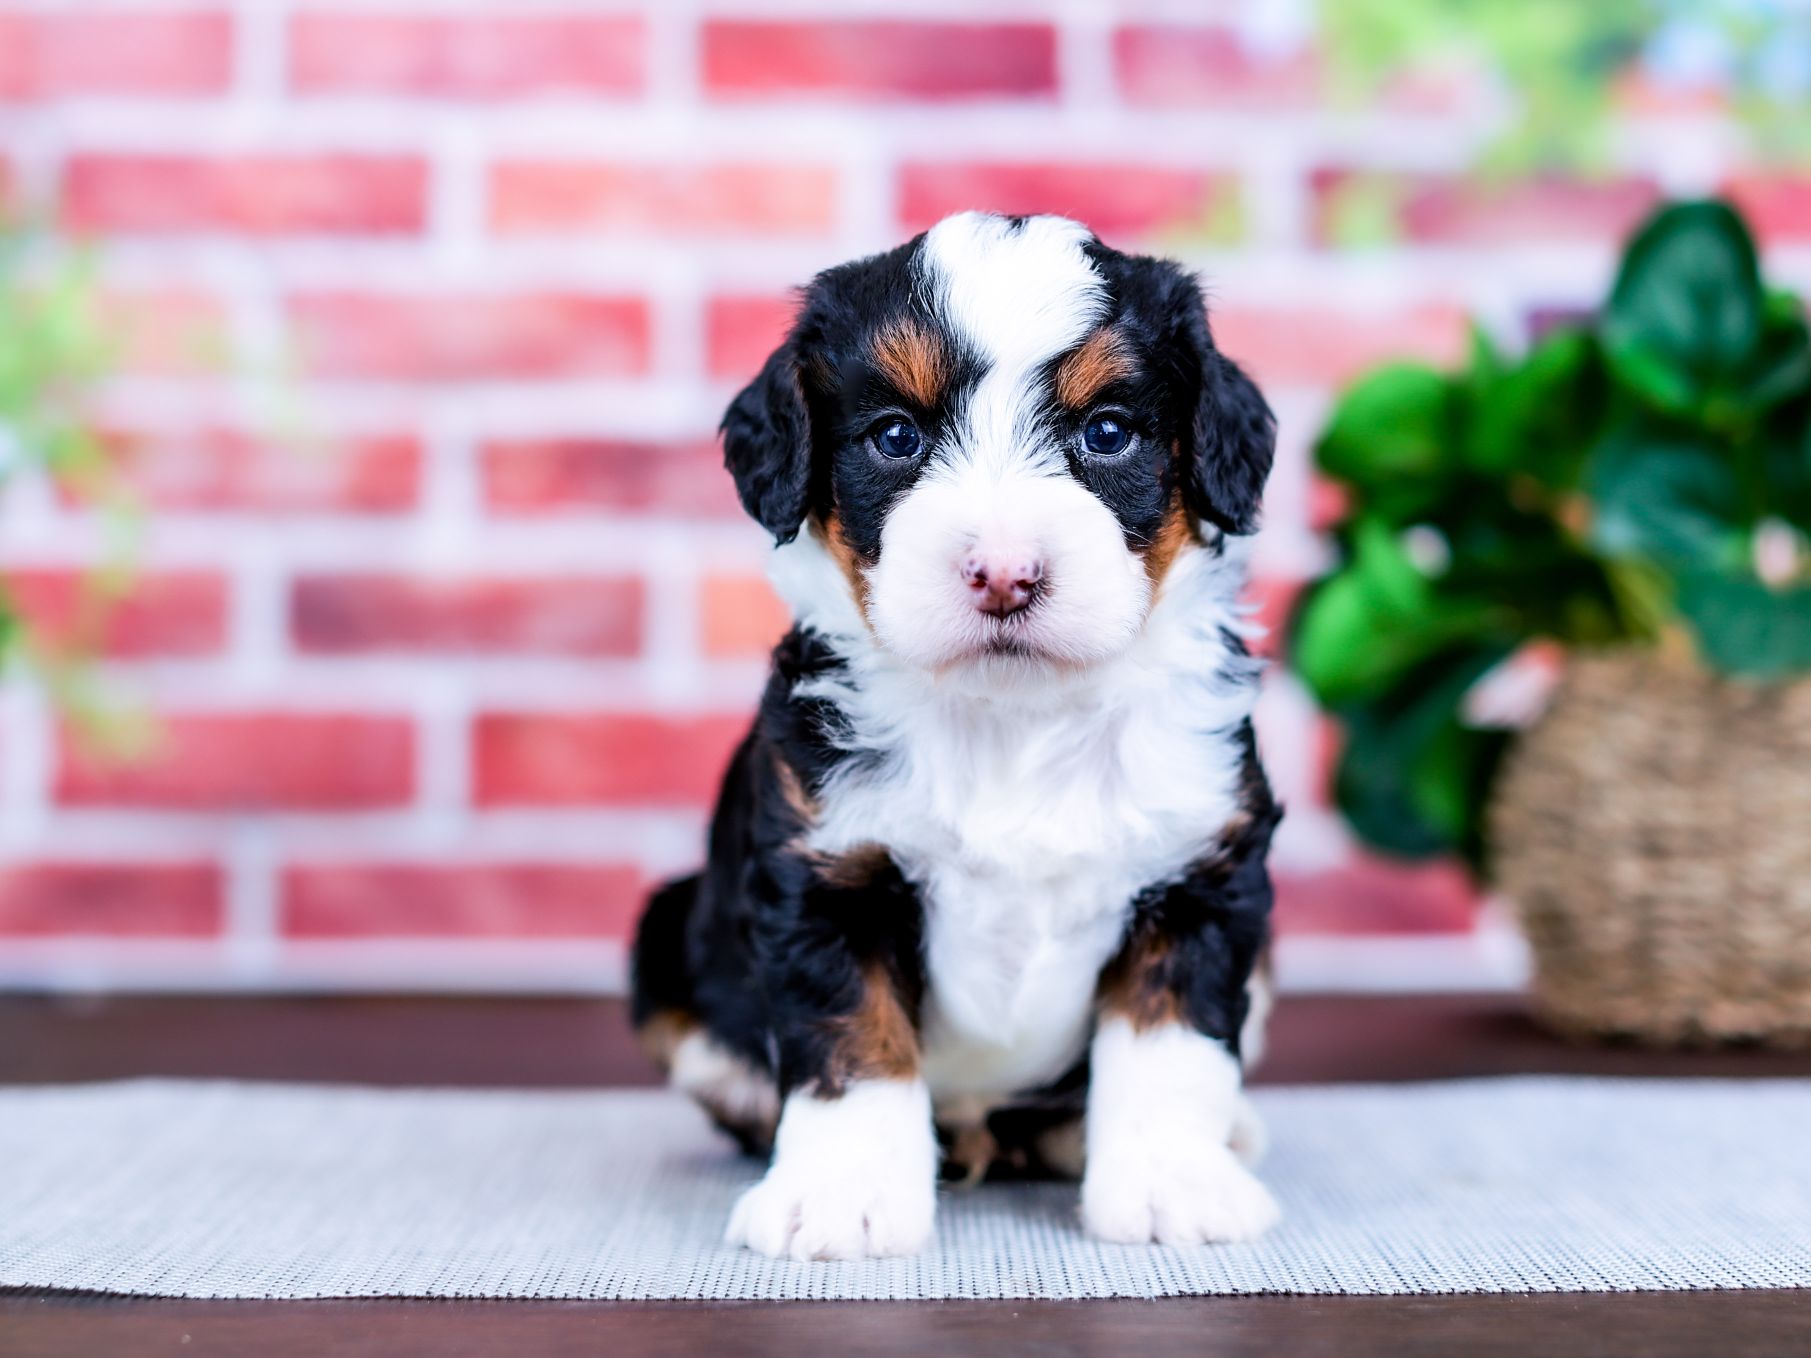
column 1653, row 832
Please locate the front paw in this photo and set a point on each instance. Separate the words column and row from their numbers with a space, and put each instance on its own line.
column 801, row 1212
column 1178, row 1195
column 854, row 1176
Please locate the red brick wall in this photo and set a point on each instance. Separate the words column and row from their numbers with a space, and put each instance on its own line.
column 446, row 614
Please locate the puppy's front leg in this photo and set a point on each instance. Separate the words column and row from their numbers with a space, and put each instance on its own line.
column 1164, row 1100
column 855, row 1159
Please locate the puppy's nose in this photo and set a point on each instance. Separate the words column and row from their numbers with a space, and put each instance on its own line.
column 1002, row 585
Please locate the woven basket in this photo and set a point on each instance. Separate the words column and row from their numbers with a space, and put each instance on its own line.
column 1653, row 832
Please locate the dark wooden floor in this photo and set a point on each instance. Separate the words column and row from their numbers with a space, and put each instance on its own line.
column 585, row 1042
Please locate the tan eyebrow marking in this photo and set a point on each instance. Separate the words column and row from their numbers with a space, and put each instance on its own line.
column 914, row 359
column 1086, row 372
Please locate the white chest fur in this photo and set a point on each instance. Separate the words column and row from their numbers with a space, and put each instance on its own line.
column 1028, row 814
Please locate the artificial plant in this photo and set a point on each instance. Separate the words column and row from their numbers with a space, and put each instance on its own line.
column 1643, row 475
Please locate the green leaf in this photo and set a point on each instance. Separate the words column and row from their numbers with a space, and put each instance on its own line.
column 1487, row 361
column 1687, row 306
column 1392, row 429
column 1780, row 368
column 1666, row 494
column 1542, row 416
column 1785, row 456
column 1746, row 628
column 1450, row 783
column 1362, row 628
column 1413, row 778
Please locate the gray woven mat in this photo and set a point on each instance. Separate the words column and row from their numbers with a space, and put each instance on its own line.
column 241, row 1190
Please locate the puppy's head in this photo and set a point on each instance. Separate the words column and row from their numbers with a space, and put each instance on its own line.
column 1004, row 435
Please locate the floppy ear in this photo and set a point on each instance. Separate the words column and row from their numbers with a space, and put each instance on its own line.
column 767, row 445
column 1233, row 435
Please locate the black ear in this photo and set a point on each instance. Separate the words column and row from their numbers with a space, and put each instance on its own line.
column 1234, row 435
column 767, row 445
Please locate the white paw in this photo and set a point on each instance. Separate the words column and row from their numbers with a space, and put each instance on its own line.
column 1250, row 1139
column 806, row 1214
column 1175, row 1195
column 853, row 1177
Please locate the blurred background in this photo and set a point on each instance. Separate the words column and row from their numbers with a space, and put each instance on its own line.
column 387, row 617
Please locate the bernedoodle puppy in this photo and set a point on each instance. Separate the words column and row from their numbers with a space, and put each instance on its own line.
column 986, row 882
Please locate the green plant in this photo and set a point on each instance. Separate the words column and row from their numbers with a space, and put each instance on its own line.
column 1646, row 476
column 54, row 348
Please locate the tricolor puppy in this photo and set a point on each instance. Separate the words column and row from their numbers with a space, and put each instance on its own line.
column 986, row 881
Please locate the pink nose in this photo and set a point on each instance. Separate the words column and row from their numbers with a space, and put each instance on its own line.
column 1002, row 585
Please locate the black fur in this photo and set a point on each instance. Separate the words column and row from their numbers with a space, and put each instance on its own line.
column 1209, row 928
column 796, row 439
column 1211, row 411
column 770, row 953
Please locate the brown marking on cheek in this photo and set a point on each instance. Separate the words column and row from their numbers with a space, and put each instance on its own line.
column 1101, row 361
column 1135, row 985
column 662, row 1034
column 848, row 561
column 1176, row 532
column 878, row 1041
column 914, row 359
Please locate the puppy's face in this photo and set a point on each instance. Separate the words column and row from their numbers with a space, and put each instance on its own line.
column 1004, row 434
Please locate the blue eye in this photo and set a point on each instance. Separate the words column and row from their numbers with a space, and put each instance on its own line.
column 898, row 439
column 1104, row 436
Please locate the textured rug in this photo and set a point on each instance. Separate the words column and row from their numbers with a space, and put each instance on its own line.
column 197, row 1189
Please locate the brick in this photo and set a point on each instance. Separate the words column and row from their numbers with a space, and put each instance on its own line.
column 1271, row 597
column 477, row 56
column 511, row 900
column 568, row 759
column 336, row 614
column 1317, row 346
column 741, row 331
column 261, row 761
column 1377, row 896
column 1327, row 746
column 1184, row 65
column 262, row 195
column 169, row 53
column 864, row 60
column 115, row 900
column 447, row 338
column 740, row 615
column 1778, row 207
column 1111, row 197
column 541, row 476
column 1328, row 503
column 166, row 613
column 220, row 469
column 1452, row 210
column 167, row 332
column 532, row 196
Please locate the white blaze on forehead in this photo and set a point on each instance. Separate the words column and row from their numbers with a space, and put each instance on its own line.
column 1018, row 295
